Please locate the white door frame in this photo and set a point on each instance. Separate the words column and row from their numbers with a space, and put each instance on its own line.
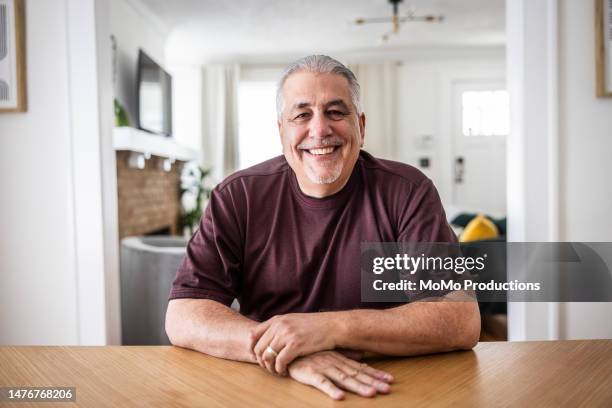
column 94, row 193
column 532, row 62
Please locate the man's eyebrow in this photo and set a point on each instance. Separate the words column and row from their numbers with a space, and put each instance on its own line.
column 300, row 105
column 333, row 102
column 337, row 102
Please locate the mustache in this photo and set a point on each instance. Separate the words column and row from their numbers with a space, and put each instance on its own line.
column 328, row 141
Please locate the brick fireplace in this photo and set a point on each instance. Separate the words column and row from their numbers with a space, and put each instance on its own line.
column 148, row 199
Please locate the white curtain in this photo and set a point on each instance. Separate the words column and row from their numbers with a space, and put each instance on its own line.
column 378, row 82
column 220, row 119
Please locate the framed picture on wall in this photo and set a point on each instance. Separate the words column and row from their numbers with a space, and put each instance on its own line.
column 603, row 47
column 12, row 56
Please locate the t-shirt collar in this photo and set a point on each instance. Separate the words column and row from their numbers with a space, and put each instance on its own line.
column 335, row 200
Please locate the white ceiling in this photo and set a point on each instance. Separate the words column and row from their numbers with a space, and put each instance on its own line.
column 218, row 29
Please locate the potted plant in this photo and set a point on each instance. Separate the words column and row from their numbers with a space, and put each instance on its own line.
column 194, row 194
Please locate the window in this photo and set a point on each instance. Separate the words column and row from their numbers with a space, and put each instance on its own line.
column 257, row 130
column 485, row 113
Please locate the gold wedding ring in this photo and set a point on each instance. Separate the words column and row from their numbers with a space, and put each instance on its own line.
column 270, row 350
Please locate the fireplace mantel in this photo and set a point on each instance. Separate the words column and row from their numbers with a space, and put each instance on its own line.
column 138, row 141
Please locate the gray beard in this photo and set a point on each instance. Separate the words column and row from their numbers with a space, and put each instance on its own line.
column 331, row 177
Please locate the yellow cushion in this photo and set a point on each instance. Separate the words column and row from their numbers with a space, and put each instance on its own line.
column 479, row 228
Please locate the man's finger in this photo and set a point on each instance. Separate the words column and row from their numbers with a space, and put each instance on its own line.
column 285, row 357
column 366, row 374
column 379, row 385
column 262, row 344
column 268, row 360
column 324, row 384
column 257, row 332
column 378, row 374
column 349, row 383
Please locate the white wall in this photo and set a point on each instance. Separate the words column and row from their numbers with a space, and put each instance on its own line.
column 558, row 187
column 187, row 105
column 586, row 146
column 134, row 27
column 424, row 107
column 586, row 130
column 38, row 294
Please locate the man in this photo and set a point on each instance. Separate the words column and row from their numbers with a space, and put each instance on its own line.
column 283, row 237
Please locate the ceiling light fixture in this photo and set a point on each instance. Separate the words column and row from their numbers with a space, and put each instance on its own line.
column 396, row 20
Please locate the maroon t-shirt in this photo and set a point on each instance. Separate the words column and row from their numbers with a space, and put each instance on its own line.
column 264, row 242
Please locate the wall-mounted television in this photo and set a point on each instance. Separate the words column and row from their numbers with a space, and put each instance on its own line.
column 154, row 96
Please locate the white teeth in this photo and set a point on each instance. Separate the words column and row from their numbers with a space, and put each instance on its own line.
column 325, row 150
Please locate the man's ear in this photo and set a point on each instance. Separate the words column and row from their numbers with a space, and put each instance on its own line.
column 362, row 123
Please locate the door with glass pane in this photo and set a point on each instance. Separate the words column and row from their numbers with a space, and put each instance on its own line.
column 480, row 127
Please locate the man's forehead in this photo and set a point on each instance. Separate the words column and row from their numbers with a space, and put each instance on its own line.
column 308, row 87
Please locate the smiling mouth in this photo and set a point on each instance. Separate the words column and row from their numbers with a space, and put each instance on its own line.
column 321, row 151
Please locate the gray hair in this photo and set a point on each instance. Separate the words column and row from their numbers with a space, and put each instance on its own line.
column 318, row 64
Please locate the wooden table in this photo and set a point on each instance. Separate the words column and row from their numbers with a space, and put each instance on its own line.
column 559, row 373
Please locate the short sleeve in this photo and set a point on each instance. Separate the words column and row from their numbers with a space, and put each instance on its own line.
column 212, row 264
column 424, row 219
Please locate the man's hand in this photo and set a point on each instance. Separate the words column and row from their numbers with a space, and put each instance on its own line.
column 281, row 339
column 331, row 372
column 410, row 329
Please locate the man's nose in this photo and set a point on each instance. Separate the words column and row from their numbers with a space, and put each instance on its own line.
column 319, row 126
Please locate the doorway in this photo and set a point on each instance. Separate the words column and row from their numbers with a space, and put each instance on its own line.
column 480, row 126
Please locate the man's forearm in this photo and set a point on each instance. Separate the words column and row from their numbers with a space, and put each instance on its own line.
column 211, row 328
column 415, row 328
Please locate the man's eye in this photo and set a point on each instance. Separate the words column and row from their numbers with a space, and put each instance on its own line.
column 301, row 116
column 336, row 113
